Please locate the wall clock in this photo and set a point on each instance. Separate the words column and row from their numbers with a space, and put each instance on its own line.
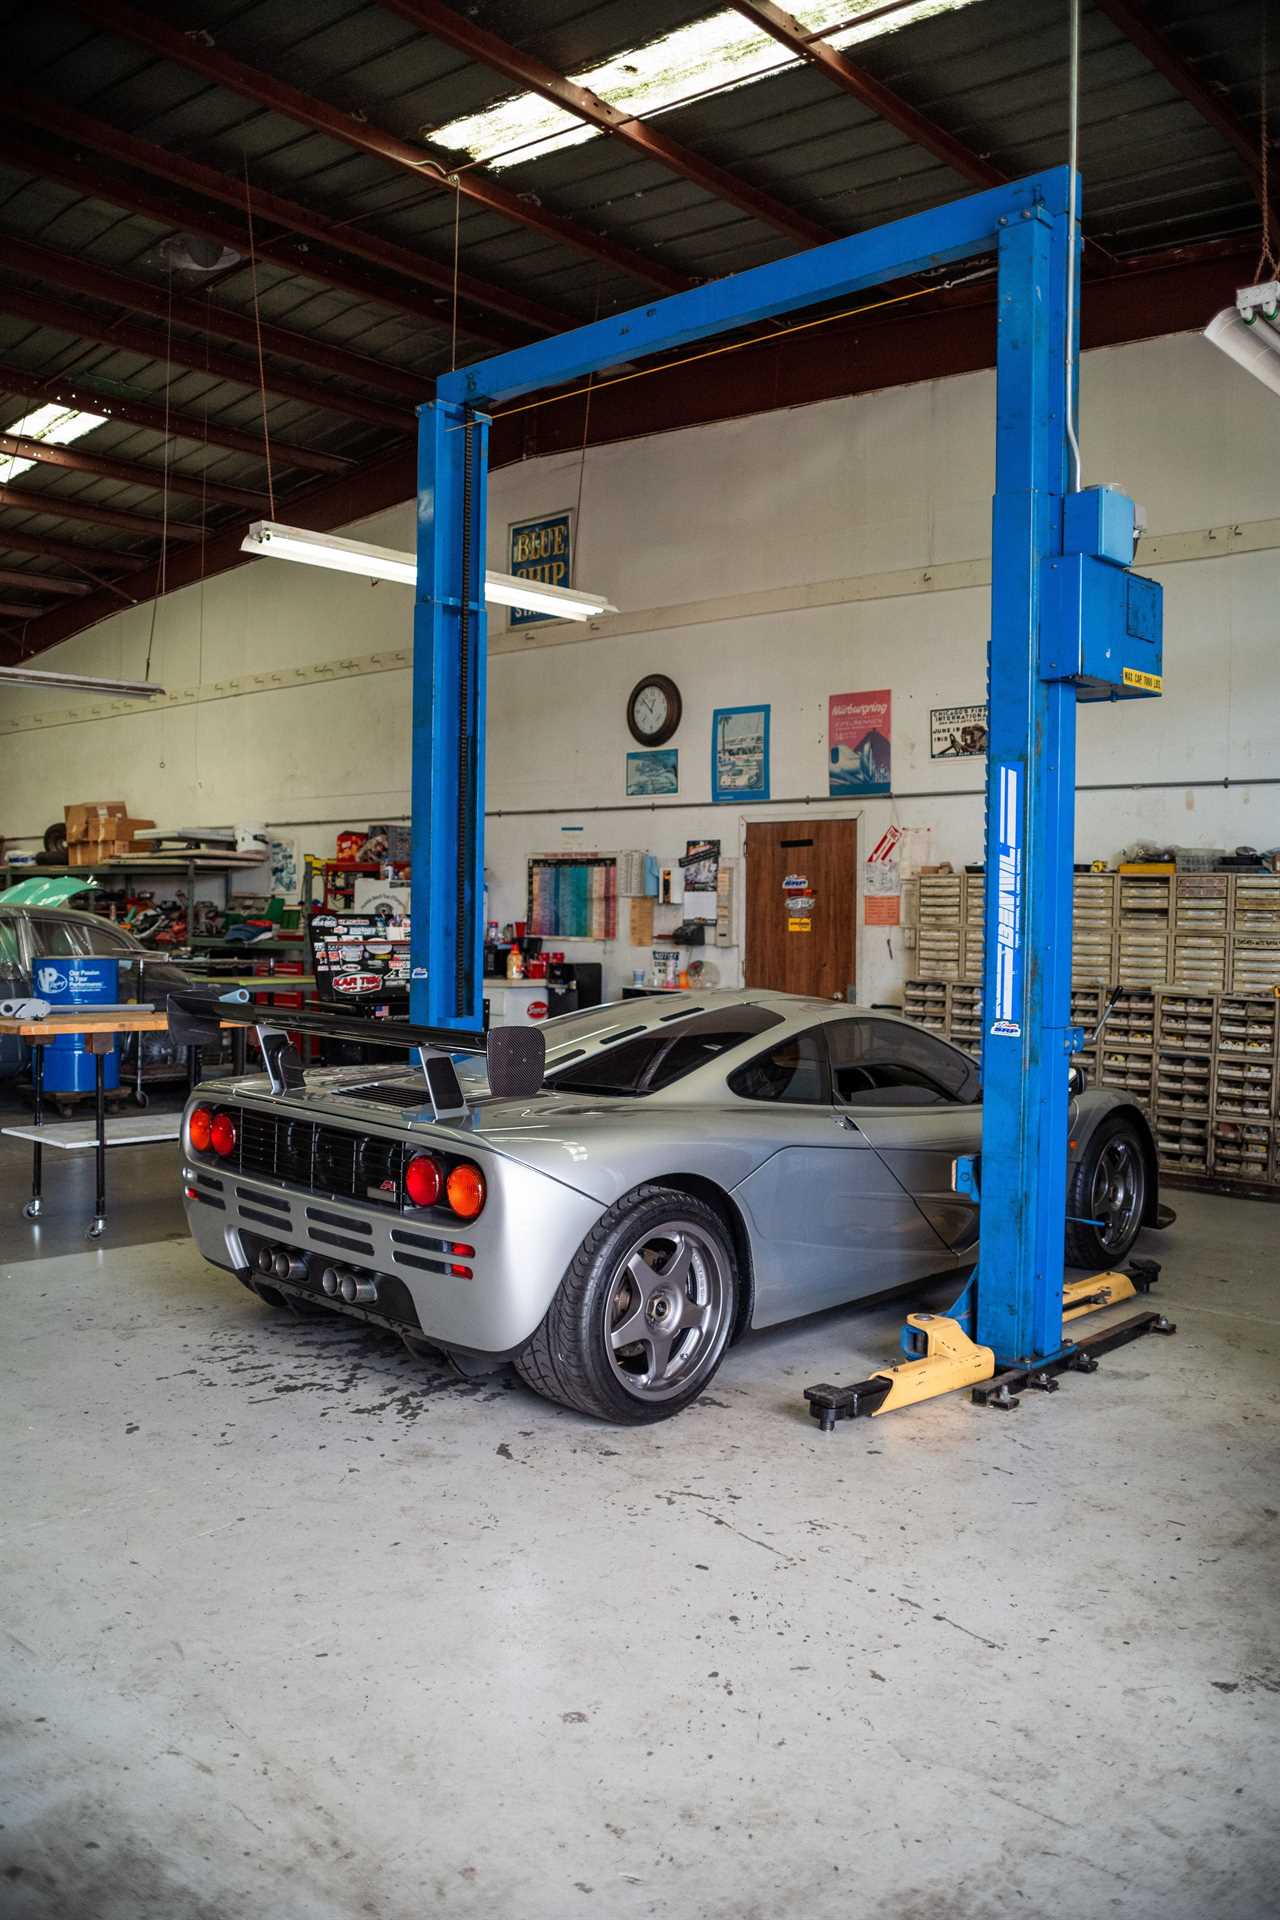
column 653, row 710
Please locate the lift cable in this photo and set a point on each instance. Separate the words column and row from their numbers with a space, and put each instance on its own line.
column 162, row 565
column 1266, row 259
column 453, row 318
column 1073, row 146
column 738, row 346
column 257, row 323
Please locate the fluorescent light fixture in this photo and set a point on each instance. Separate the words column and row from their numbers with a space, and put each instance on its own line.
column 78, row 683
column 509, row 590
column 723, row 50
column 1249, row 332
column 276, row 542
column 1259, row 308
column 55, row 423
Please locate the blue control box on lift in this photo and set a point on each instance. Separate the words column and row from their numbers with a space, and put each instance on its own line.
column 1101, row 626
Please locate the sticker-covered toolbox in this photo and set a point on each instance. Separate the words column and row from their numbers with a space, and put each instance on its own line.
column 361, row 961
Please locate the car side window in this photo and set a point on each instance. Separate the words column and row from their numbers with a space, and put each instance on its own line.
column 56, row 939
column 104, row 938
column 792, row 1072
column 887, row 1063
column 10, row 951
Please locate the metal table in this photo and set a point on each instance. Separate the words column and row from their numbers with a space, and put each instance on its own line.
column 100, row 1031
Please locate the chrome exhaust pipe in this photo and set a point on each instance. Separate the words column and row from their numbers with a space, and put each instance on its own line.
column 330, row 1281
column 266, row 1260
column 356, row 1287
column 289, row 1266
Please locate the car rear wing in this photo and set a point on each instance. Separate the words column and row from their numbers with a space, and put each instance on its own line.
column 515, row 1057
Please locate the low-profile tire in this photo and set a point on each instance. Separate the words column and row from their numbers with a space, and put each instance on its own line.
column 1109, row 1183
column 641, row 1320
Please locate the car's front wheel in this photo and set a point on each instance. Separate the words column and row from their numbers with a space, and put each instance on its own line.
column 1107, row 1196
column 642, row 1318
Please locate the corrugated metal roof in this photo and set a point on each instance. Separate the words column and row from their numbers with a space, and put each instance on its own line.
column 1157, row 174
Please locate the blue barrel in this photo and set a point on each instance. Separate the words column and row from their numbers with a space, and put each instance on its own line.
column 68, row 982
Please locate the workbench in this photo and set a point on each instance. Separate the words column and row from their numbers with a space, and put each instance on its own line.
column 100, row 1031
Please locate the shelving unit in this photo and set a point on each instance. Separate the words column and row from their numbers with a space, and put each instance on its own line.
column 940, row 940
column 1214, row 932
column 337, row 882
column 197, row 867
column 1200, row 929
column 1093, row 932
column 927, row 1003
column 965, row 1020
column 1205, row 1063
column 1144, row 918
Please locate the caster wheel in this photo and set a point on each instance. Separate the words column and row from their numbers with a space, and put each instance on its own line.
column 141, row 1099
column 33, row 1209
column 66, row 1113
column 95, row 1231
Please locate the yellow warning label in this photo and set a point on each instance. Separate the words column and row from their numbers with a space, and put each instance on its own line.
column 1151, row 681
column 799, row 926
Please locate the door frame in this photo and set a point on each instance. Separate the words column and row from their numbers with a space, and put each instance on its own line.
column 767, row 814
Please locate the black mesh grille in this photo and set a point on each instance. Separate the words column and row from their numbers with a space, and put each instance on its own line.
column 390, row 1095
column 322, row 1159
column 257, row 1139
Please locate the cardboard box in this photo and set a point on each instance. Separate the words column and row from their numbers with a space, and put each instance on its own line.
column 93, row 820
column 93, row 853
column 118, row 831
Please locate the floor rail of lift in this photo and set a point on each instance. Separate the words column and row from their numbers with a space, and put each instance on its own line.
column 951, row 1360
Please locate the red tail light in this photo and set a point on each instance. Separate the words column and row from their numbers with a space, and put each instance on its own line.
column 222, row 1135
column 199, row 1122
column 465, row 1190
column 423, row 1180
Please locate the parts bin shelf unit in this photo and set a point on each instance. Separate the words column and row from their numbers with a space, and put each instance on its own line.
column 1213, row 931
column 1205, row 1064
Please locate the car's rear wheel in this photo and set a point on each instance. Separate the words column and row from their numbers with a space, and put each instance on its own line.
column 1107, row 1198
column 642, row 1318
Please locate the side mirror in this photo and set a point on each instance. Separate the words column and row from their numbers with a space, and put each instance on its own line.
column 1077, row 1079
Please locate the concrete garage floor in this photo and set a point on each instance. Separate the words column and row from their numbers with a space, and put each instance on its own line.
column 295, row 1626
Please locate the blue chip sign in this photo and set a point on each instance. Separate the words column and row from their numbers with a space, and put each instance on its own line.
column 541, row 550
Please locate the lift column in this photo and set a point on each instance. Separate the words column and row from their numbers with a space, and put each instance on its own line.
column 1070, row 621
column 1030, row 826
column 448, row 741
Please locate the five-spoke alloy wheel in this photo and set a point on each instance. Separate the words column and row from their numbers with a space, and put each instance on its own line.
column 642, row 1318
column 1107, row 1196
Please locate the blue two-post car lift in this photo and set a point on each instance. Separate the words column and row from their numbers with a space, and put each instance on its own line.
column 1069, row 621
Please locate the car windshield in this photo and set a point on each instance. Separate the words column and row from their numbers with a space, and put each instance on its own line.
column 656, row 1057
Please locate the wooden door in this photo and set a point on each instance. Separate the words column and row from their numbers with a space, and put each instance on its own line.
column 801, row 902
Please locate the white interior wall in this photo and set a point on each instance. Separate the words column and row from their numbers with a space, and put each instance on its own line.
column 898, row 479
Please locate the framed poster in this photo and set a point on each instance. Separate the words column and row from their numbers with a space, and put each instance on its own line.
column 859, row 727
column 654, row 770
column 957, row 733
column 740, row 753
column 540, row 550
column 700, row 866
column 286, row 870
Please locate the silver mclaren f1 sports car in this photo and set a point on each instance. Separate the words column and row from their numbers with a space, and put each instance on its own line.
column 691, row 1166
